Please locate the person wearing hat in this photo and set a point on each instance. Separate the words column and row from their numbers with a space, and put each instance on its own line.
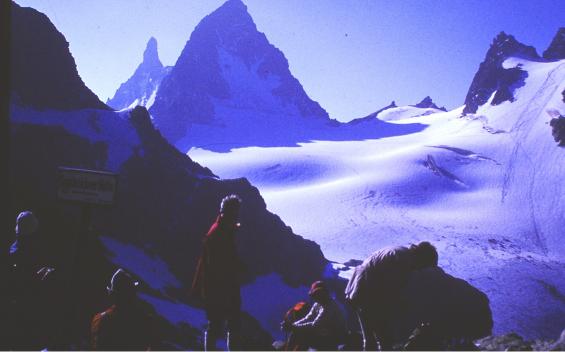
column 216, row 281
column 122, row 326
column 24, row 252
column 324, row 326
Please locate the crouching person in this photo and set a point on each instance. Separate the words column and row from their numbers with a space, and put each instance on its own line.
column 323, row 328
column 122, row 327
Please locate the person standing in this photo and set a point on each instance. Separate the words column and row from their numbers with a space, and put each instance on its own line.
column 216, row 280
column 24, row 261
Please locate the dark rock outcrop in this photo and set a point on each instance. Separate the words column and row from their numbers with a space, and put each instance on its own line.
column 558, row 130
column 427, row 103
column 228, row 69
column 141, row 87
column 451, row 305
column 556, row 50
column 164, row 203
column 44, row 74
column 492, row 77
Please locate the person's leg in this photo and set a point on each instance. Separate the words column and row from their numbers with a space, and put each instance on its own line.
column 383, row 333
column 366, row 322
column 234, row 340
column 213, row 331
column 300, row 340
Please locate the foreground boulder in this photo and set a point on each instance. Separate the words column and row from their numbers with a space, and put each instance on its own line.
column 453, row 308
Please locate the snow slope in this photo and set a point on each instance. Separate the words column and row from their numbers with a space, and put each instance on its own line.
column 486, row 189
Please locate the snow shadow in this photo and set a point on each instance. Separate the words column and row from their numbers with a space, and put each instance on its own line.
column 222, row 138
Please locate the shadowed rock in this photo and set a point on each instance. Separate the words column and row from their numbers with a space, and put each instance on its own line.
column 43, row 71
column 556, row 50
column 492, row 77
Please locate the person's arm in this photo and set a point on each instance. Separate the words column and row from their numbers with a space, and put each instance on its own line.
column 313, row 319
column 96, row 333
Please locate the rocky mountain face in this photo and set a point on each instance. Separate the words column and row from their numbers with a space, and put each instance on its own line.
column 164, row 204
column 141, row 88
column 427, row 102
column 556, row 50
column 229, row 75
column 493, row 77
column 44, row 73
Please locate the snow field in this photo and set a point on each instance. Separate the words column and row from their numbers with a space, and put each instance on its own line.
column 486, row 189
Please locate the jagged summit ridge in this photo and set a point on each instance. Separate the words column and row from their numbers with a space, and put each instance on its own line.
column 505, row 45
column 492, row 77
column 228, row 67
column 141, row 87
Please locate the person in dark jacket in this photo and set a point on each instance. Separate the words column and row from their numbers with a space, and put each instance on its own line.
column 375, row 285
column 216, row 280
column 24, row 260
column 324, row 327
column 122, row 327
column 25, row 250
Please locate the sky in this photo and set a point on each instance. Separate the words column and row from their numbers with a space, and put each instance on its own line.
column 352, row 56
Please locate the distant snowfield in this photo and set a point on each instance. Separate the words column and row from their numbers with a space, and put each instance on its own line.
column 486, row 189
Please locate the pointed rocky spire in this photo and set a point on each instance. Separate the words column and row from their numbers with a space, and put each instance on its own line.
column 556, row 50
column 141, row 87
column 150, row 55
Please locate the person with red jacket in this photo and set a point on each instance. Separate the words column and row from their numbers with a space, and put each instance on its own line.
column 216, row 280
column 123, row 326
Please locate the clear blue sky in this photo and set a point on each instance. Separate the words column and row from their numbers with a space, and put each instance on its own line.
column 352, row 56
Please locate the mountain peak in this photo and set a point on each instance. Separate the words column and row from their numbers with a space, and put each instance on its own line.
column 151, row 55
column 141, row 87
column 230, row 13
column 505, row 45
column 236, row 4
column 493, row 77
column 556, row 50
column 228, row 72
column 427, row 102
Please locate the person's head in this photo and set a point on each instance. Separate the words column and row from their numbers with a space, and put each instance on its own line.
column 123, row 287
column 319, row 292
column 26, row 223
column 229, row 207
column 424, row 254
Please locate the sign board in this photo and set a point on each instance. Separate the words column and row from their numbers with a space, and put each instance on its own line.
column 87, row 186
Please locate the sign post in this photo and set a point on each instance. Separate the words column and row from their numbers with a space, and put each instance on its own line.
column 88, row 188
